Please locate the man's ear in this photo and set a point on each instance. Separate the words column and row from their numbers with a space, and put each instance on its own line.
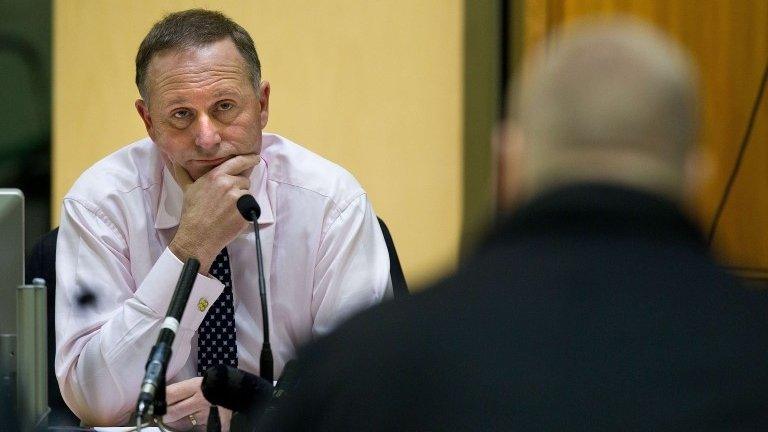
column 264, row 89
column 143, row 110
column 698, row 173
column 509, row 143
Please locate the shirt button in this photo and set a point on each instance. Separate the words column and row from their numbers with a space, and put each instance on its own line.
column 202, row 304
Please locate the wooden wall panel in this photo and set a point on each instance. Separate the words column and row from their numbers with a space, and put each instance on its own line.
column 729, row 42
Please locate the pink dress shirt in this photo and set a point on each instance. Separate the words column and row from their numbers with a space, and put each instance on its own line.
column 324, row 259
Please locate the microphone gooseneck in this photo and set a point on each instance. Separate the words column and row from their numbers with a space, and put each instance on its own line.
column 214, row 421
column 250, row 210
column 152, row 395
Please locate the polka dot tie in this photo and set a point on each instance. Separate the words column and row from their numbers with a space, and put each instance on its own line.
column 216, row 335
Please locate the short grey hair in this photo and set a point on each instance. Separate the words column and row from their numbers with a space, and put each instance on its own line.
column 194, row 28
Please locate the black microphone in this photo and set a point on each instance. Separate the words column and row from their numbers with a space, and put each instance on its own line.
column 154, row 377
column 214, row 421
column 250, row 210
column 242, row 392
column 235, row 389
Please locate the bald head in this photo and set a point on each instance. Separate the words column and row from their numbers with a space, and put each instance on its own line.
column 606, row 101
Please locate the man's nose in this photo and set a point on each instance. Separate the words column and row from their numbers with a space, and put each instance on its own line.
column 207, row 132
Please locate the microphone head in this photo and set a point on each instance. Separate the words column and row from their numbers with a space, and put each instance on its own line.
column 247, row 206
column 235, row 389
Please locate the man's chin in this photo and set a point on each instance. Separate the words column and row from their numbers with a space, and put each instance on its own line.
column 200, row 171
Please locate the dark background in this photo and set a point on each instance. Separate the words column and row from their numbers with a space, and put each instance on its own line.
column 25, row 108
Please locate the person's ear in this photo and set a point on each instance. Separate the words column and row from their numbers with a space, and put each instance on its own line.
column 143, row 111
column 264, row 89
column 509, row 143
column 698, row 168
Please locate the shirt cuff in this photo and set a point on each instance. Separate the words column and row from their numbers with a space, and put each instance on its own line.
column 157, row 290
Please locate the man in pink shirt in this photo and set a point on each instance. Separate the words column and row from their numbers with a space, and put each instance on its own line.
column 133, row 218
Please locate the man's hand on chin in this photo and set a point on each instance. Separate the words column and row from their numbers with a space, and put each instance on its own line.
column 187, row 407
column 209, row 216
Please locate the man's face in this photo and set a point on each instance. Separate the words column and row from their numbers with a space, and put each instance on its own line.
column 202, row 107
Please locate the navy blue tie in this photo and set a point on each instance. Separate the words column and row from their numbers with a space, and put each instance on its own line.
column 216, row 339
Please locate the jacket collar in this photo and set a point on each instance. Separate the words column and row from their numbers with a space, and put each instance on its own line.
column 599, row 208
column 171, row 198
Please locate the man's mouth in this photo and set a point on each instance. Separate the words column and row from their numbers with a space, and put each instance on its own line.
column 212, row 161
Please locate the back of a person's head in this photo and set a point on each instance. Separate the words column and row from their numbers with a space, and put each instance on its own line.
column 607, row 100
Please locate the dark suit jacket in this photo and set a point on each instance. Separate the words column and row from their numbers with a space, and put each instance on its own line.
column 593, row 308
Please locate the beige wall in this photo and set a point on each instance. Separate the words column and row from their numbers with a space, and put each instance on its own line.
column 373, row 85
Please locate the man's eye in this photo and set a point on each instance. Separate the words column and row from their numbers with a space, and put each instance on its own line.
column 226, row 106
column 181, row 114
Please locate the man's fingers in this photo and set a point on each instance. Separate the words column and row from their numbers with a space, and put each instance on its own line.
column 185, row 398
column 182, row 390
column 241, row 182
column 196, row 405
column 239, row 164
column 225, row 416
column 232, row 183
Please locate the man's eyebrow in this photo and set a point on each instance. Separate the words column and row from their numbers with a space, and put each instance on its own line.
column 226, row 92
column 220, row 93
column 176, row 101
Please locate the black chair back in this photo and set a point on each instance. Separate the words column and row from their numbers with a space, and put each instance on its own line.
column 399, row 286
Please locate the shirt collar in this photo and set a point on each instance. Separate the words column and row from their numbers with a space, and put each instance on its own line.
column 171, row 198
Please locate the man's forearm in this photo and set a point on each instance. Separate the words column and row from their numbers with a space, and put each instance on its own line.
column 102, row 348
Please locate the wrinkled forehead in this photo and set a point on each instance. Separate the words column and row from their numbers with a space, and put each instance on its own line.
column 197, row 63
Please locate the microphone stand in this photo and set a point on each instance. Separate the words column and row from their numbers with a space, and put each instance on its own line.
column 250, row 210
column 266, row 363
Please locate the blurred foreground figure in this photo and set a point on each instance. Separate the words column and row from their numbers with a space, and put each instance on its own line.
column 596, row 306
